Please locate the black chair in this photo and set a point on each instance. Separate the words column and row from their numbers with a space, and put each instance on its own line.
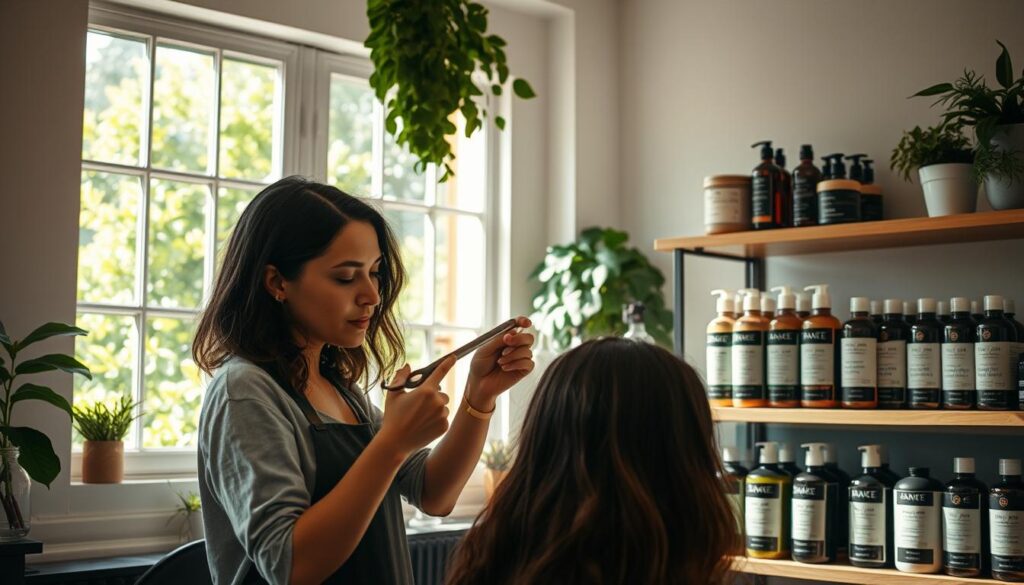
column 183, row 565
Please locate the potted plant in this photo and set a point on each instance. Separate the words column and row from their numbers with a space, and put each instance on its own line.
column 584, row 285
column 942, row 156
column 25, row 452
column 189, row 515
column 497, row 458
column 997, row 116
column 104, row 430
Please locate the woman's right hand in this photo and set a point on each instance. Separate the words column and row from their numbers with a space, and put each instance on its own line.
column 414, row 418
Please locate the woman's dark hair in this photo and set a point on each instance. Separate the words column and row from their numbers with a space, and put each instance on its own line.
column 286, row 225
column 614, row 480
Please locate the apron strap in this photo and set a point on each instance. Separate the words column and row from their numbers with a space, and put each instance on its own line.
column 300, row 399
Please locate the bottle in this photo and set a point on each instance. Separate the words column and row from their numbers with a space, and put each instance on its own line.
column 992, row 357
column 783, row 359
column 977, row 312
column 917, row 523
column 787, row 187
column 1017, row 348
column 719, row 351
column 633, row 317
column 958, row 391
column 924, row 361
column 870, row 514
column 893, row 334
column 748, row 343
column 769, row 200
column 787, row 460
column 767, row 308
column 803, row 305
column 805, row 189
column 1006, row 522
column 815, row 495
column 964, row 521
column 942, row 312
column 859, row 357
column 819, row 376
column 843, row 480
column 734, row 476
column 826, row 168
column 838, row 197
column 876, row 312
column 766, row 506
column 909, row 313
column 886, row 470
column 870, row 195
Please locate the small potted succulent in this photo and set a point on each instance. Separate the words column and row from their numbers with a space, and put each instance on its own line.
column 943, row 159
column 104, row 430
column 189, row 515
column 497, row 458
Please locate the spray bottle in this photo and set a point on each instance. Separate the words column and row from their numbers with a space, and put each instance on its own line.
column 783, row 360
column 766, row 506
column 819, row 353
column 719, row 351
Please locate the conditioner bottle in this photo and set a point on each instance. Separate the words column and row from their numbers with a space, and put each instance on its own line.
column 893, row 334
column 1006, row 518
column 958, row 391
column 748, row 337
column 815, row 501
column 924, row 361
column 719, row 350
column 992, row 346
column 819, row 374
column 858, row 357
column 918, row 522
column 964, row 521
column 766, row 506
column 783, row 361
column 870, row 513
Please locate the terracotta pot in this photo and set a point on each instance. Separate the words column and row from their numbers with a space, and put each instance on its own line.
column 493, row 477
column 103, row 462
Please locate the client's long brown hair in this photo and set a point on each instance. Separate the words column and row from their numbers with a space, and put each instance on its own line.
column 614, row 481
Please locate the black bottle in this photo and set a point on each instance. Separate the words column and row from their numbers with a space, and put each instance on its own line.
column 787, row 187
column 893, row 335
column 910, row 313
column 870, row 513
column 870, row 195
column 768, row 197
column 992, row 348
column 964, row 522
column 917, row 522
column 924, row 361
column 815, row 499
column 805, row 189
column 734, row 478
column 876, row 313
column 858, row 357
column 843, row 479
column 942, row 313
column 958, row 376
column 1006, row 517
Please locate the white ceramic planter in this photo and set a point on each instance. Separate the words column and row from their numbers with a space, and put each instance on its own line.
column 949, row 189
column 1004, row 194
column 195, row 526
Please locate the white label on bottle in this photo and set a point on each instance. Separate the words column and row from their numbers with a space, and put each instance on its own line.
column 719, row 366
column 817, row 364
column 958, row 366
column 859, row 357
column 868, row 519
column 782, row 365
column 923, row 365
column 1007, row 530
column 763, row 515
column 892, row 364
column 747, row 365
column 992, row 364
column 809, row 517
column 962, row 529
column 917, row 526
column 723, row 206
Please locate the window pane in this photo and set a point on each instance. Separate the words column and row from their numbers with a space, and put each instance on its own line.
column 177, row 242
column 107, row 237
column 173, row 387
column 414, row 234
column 116, row 79
column 231, row 202
column 468, row 189
column 446, row 342
column 249, row 120
column 401, row 181
column 109, row 351
column 461, row 270
column 350, row 136
column 183, row 109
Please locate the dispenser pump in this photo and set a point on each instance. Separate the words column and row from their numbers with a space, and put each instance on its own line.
column 780, row 158
column 724, row 303
column 768, row 452
column 766, row 149
column 870, row 456
column 787, row 300
column 815, row 456
column 826, row 168
column 751, row 299
column 838, row 169
column 806, row 152
column 821, row 299
column 869, row 172
column 856, row 170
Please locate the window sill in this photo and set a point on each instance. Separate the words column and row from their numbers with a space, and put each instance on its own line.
column 140, row 481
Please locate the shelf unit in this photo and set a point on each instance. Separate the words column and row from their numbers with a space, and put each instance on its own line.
column 752, row 248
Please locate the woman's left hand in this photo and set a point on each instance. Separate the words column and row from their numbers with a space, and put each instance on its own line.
column 501, row 363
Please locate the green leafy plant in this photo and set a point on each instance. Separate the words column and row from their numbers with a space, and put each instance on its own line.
column 97, row 422
column 497, row 455
column 188, row 504
column 429, row 52
column 36, row 453
column 584, row 285
column 970, row 103
column 935, row 145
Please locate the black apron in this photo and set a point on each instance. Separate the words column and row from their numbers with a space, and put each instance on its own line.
column 336, row 447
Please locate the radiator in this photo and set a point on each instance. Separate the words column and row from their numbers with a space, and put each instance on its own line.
column 430, row 554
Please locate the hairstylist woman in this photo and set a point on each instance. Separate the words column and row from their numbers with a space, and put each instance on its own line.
column 300, row 476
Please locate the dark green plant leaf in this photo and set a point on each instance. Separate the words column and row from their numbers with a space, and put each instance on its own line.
column 51, row 362
column 522, row 89
column 37, row 455
column 50, row 330
column 1004, row 68
column 4, row 339
column 35, row 392
column 4, row 374
column 937, row 89
column 499, row 122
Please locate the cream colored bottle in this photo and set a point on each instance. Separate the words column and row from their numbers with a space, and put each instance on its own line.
column 819, row 353
column 719, row 351
column 748, row 342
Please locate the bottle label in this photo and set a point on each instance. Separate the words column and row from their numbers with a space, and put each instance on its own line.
column 992, row 364
column 748, row 365
column 719, row 365
column 723, row 206
column 810, row 511
column 924, row 372
column 838, row 206
column 761, row 190
column 763, row 516
column 817, row 364
column 858, row 363
column 805, row 200
column 961, row 527
column 870, row 207
column 917, row 526
column 783, row 365
column 892, row 372
column 868, row 524
column 958, row 366
column 1006, row 527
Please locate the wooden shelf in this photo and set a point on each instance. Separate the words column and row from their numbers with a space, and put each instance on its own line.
column 850, row 417
column 842, row 573
column 873, row 235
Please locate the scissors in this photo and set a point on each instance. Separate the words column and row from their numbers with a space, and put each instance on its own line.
column 416, row 377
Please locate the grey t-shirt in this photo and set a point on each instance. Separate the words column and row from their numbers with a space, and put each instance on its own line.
column 257, row 471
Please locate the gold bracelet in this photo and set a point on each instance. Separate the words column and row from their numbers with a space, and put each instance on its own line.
column 479, row 414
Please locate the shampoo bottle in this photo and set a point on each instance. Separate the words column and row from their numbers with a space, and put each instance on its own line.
column 719, row 351
column 767, row 308
column 964, row 522
column 766, row 506
column 769, row 199
column 858, row 357
column 815, row 499
column 787, row 459
column 748, row 337
column 843, row 479
column 805, row 189
column 924, row 361
column 870, row 494
column 803, row 305
column 787, row 188
column 917, row 523
column 819, row 374
column 1006, row 521
column 870, row 195
column 893, row 334
column 994, row 378
column 734, row 476
column 958, row 391
column 783, row 360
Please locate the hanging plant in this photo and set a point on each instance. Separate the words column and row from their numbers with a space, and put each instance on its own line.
column 428, row 52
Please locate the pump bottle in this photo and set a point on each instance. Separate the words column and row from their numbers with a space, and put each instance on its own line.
column 787, row 187
column 958, row 391
column 843, row 479
column 893, row 334
column 819, row 374
column 783, row 360
column 870, row 513
column 1006, row 521
column 719, row 351
column 918, row 522
column 734, row 477
column 815, row 498
column 964, row 522
column 924, row 361
column 768, row 492
column 769, row 199
column 994, row 377
column 805, row 189
column 859, row 357
column 870, row 195
column 803, row 305
column 748, row 343
column 838, row 197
